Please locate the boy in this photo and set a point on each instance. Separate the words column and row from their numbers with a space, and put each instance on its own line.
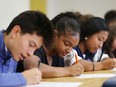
column 27, row 32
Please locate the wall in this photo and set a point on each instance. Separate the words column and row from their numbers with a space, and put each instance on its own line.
column 11, row 8
column 38, row 5
column 95, row 7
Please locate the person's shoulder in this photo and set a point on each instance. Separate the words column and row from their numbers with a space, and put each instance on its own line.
column 40, row 52
column 110, row 82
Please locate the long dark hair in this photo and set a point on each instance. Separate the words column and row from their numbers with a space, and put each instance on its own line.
column 92, row 26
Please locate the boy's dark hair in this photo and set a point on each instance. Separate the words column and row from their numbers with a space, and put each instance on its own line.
column 82, row 17
column 92, row 26
column 33, row 22
column 66, row 22
column 110, row 16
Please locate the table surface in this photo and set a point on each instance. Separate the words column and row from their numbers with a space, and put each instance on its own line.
column 86, row 82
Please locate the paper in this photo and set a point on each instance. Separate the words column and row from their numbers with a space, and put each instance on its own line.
column 105, row 75
column 56, row 84
column 114, row 69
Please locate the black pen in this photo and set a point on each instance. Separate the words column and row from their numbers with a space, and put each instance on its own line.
column 39, row 63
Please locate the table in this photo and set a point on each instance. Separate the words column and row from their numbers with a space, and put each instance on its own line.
column 87, row 82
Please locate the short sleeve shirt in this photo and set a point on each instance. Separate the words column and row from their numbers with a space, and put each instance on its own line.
column 56, row 61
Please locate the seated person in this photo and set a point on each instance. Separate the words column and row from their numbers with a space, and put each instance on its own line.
column 23, row 36
column 94, row 33
column 110, row 18
column 109, row 48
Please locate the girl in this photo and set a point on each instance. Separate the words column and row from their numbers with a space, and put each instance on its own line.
column 94, row 33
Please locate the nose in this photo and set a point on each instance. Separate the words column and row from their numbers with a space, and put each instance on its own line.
column 68, row 50
column 100, row 44
column 30, row 52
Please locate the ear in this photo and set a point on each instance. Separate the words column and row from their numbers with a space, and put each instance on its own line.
column 15, row 31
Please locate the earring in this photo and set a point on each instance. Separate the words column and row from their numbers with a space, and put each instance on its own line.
column 85, row 38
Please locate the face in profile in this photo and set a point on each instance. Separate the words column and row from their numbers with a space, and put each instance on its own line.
column 23, row 45
column 65, row 43
column 114, row 44
column 96, row 41
column 112, row 23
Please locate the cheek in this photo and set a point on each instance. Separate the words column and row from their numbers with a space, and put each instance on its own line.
column 24, row 46
column 40, row 42
column 92, row 43
column 60, row 46
column 95, row 42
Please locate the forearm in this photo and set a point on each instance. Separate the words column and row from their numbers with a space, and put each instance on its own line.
column 98, row 66
column 12, row 80
column 49, row 71
column 88, row 66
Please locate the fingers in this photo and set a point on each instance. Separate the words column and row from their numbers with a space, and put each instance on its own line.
column 113, row 63
column 32, row 76
column 81, row 67
column 76, row 69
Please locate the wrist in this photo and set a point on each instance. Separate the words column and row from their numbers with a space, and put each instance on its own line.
column 67, row 71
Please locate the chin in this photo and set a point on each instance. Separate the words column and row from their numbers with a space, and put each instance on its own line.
column 61, row 56
column 93, row 51
column 16, row 60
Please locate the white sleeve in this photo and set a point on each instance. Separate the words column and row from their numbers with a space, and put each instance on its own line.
column 104, row 56
column 79, row 58
column 98, row 55
column 71, row 58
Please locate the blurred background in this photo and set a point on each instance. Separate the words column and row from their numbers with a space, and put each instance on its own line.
column 11, row 8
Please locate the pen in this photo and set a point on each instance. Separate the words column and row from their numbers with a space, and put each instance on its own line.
column 39, row 63
column 76, row 58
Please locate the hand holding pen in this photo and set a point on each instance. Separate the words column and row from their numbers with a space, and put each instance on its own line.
column 32, row 74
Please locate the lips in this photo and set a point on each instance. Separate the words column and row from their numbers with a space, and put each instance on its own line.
column 64, row 54
column 22, row 57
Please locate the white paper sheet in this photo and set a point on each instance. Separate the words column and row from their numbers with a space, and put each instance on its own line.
column 105, row 75
column 114, row 69
column 56, row 84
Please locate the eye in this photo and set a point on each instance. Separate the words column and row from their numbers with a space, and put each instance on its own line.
column 100, row 39
column 32, row 44
column 67, row 43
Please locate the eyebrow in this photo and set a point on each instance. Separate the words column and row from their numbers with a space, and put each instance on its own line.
column 103, row 38
column 69, row 42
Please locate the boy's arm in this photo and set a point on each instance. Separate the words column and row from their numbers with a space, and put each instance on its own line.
column 12, row 79
column 32, row 76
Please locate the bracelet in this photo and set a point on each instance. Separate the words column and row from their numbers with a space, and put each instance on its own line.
column 93, row 66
